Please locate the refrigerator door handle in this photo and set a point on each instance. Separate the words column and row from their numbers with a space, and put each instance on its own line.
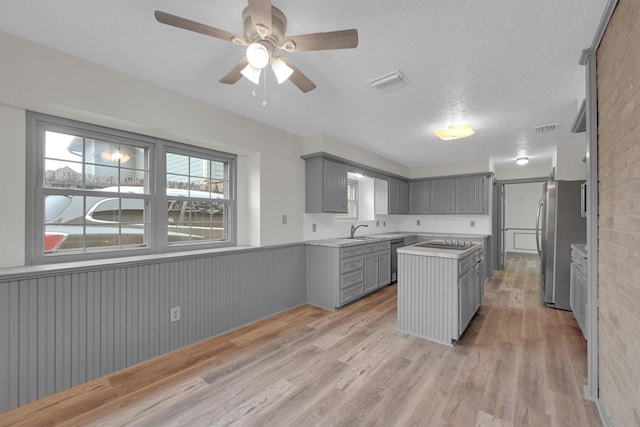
column 538, row 230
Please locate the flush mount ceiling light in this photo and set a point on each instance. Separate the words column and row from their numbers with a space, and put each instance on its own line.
column 522, row 160
column 454, row 132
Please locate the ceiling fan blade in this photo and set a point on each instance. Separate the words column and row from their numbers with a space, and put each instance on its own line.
column 345, row 39
column 298, row 78
column 187, row 24
column 235, row 73
column 260, row 12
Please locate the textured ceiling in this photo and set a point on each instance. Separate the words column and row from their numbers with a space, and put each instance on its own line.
column 504, row 66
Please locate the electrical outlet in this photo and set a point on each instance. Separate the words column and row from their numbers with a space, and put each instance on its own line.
column 378, row 223
column 175, row 314
column 284, row 219
column 313, row 228
column 472, row 223
column 384, row 223
column 417, row 222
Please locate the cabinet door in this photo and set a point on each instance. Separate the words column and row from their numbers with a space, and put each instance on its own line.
column 419, row 197
column 442, row 196
column 380, row 197
column 384, row 268
column 370, row 272
column 398, row 196
column 335, row 187
column 471, row 195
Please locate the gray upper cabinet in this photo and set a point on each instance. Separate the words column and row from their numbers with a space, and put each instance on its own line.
column 419, row 197
column 442, row 196
column 398, row 196
column 380, row 196
column 471, row 195
column 325, row 186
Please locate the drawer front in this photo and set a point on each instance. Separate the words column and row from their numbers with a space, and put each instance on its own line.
column 349, row 294
column 350, row 279
column 351, row 251
column 466, row 263
column 384, row 245
column 350, row 264
column 370, row 247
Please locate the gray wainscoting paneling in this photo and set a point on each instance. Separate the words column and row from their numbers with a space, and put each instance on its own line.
column 62, row 329
column 428, row 297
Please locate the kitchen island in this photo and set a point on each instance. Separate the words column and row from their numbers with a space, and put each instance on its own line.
column 440, row 288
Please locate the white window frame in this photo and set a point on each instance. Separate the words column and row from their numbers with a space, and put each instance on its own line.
column 154, row 195
column 353, row 207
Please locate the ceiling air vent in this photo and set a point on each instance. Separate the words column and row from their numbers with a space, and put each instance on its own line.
column 391, row 81
column 546, row 128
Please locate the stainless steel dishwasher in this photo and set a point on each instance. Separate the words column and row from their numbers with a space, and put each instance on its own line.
column 395, row 244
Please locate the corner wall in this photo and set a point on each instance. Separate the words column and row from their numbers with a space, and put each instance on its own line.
column 618, row 81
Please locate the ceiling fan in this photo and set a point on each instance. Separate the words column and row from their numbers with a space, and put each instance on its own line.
column 264, row 35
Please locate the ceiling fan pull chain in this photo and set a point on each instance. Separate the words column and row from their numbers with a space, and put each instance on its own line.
column 264, row 94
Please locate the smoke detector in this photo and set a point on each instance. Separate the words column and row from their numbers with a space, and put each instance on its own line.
column 391, row 81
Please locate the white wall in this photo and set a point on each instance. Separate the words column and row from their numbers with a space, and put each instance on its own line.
column 12, row 194
column 471, row 224
column 520, row 172
column 569, row 164
column 521, row 202
column 457, row 168
column 331, row 145
column 36, row 78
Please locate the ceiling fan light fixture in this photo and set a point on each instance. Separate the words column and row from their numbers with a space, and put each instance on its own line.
column 251, row 73
column 281, row 70
column 257, row 55
column 454, row 132
column 523, row 160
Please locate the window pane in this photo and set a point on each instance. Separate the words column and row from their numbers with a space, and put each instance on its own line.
column 199, row 176
column 177, row 164
column 195, row 221
column 61, row 146
column 91, row 222
column 60, row 174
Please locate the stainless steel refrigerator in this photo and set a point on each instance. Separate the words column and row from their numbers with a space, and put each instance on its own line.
column 559, row 223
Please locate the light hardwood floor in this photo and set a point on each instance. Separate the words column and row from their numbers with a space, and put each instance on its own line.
column 518, row 363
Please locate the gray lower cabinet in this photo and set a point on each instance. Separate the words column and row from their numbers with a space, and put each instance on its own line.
column 384, row 264
column 470, row 289
column 578, row 289
column 337, row 276
column 371, row 268
column 325, row 186
column 438, row 296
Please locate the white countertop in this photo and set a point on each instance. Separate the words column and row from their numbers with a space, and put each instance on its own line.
column 339, row 242
column 437, row 252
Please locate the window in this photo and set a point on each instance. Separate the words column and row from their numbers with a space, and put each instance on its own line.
column 352, row 201
column 100, row 192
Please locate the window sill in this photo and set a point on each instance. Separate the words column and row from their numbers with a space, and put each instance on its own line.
column 9, row 273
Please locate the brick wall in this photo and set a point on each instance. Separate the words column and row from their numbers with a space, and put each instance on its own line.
column 618, row 72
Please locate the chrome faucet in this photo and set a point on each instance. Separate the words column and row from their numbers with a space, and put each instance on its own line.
column 354, row 228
